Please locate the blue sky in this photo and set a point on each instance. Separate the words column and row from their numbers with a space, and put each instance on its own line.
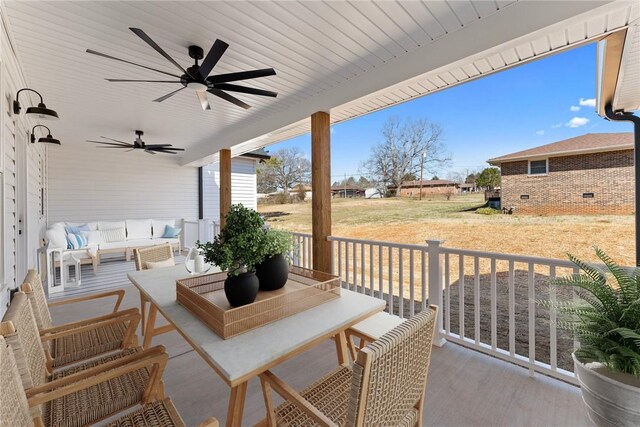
column 534, row 104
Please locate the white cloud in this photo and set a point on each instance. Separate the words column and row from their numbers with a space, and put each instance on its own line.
column 576, row 122
column 591, row 102
column 574, row 108
column 556, row 126
column 540, row 132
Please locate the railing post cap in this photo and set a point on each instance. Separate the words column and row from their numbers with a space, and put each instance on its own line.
column 435, row 242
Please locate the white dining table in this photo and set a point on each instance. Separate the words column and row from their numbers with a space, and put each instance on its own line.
column 243, row 357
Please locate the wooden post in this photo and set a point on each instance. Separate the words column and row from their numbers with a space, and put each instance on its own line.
column 225, row 184
column 321, row 190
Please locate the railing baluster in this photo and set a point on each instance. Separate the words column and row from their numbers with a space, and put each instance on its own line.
column 340, row 260
column 447, row 294
column 371, row 269
column 363, row 286
column 333, row 263
column 380, row 263
column 309, row 253
column 346, row 264
column 423, row 279
column 494, row 301
column 400, row 284
column 532, row 317
column 355, row 267
column 476, row 298
column 411, row 285
column 461, row 294
column 553, row 344
column 512, row 310
column 390, row 280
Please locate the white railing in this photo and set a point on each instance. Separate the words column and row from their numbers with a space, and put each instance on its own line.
column 203, row 230
column 487, row 300
column 302, row 250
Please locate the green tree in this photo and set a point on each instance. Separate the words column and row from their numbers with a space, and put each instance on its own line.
column 489, row 178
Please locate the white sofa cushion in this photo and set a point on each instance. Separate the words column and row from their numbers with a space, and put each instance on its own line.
column 57, row 238
column 113, row 245
column 114, row 235
column 138, row 243
column 138, row 229
column 110, row 225
column 91, row 225
column 159, row 226
column 164, row 240
column 94, row 237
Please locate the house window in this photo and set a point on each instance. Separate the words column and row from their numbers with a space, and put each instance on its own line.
column 538, row 167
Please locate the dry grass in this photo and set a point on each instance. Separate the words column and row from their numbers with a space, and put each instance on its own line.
column 455, row 222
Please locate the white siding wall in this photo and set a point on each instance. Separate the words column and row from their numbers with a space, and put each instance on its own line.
column 87, row 183
column 243, row 186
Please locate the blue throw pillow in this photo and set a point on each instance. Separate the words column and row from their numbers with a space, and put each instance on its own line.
column 76, row 241
column 77, row 230
column 171, row 232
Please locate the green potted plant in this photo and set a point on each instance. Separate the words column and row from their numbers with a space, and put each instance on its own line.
column 273, row 271
column 237, row 250
column 605, row 320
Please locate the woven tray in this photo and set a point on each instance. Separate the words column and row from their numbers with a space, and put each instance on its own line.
column 204, row 297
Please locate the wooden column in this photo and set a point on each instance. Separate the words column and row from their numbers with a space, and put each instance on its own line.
column 321, row 190
column 225, row 184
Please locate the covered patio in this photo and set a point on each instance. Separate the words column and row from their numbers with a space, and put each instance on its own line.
column 333, row 62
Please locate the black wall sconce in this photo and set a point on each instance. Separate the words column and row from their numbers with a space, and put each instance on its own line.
column 39, row 112
column 45, row 139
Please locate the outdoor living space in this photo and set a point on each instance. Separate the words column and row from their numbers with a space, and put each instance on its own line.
column 142, row 284
column 510, row 396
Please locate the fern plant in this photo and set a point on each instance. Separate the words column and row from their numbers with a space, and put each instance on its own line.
column 606, row 318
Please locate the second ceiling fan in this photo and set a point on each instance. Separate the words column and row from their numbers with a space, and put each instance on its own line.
column 196, row 78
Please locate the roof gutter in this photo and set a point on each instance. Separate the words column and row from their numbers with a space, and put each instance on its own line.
column 621, row 116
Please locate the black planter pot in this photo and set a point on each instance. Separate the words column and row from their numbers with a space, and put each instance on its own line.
column 241, row 289
column 273, row 273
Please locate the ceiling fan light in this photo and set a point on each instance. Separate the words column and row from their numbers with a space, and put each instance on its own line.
column 42, row 112
column 197, row 86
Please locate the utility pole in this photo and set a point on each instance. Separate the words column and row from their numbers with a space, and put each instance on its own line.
column 424, row 154
column 345, row 185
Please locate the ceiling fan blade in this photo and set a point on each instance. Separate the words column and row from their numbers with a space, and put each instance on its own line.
column 131, row 149
column 142, row 81
column 169, row 95
column 157, row 146
column 115, row 140
column 93, row 52
column 111, row 143
column 245, row 89
column 204, row 101
column 212, row 58
column 168, row 150
column 227, row 97
column 241, row 75
column 138, row 32
column 112, row 147
column 150, row 152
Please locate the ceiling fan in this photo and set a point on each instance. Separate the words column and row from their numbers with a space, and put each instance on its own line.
column 196, row 78
column 139, row 144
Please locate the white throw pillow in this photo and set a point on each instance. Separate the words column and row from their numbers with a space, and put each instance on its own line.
column 160, row 264
column 110, row 225
column 114, row 235
column 159, row 225
column 94, row 237
column 57, row 238
column 138, row 229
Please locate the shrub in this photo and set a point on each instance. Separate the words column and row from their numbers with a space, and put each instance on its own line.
column 487, row 211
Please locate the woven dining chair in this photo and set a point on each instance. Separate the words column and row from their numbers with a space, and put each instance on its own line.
column 126, row 378
column 82, row 340
column 384, row 388
column 141, row 257
column 14, row 405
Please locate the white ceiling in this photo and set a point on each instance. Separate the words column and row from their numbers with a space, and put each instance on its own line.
column 348, row 58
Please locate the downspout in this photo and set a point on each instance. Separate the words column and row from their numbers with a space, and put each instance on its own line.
column 200, row 194
column 621, row 116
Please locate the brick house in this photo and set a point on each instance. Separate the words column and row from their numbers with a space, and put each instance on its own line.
column 588, row 174
column 429, row 187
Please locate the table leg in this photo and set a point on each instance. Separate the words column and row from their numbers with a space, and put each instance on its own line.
column 149, row 328
column 342, row 349
column 236, row 405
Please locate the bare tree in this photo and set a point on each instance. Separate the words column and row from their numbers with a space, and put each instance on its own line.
column 285, row 169
column 402, row 150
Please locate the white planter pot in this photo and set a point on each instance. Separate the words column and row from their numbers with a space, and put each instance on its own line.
column 611, row 399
